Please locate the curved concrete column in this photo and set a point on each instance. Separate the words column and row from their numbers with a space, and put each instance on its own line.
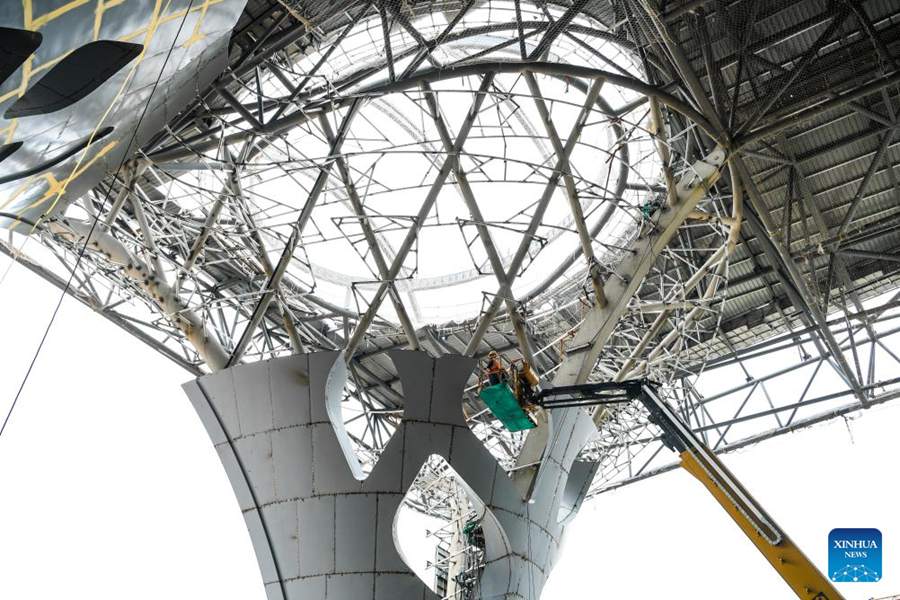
column 319, row 532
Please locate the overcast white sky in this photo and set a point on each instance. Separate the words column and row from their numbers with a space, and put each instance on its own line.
column 109, row 488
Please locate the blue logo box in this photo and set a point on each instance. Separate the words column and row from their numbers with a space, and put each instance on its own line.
column 854, row 555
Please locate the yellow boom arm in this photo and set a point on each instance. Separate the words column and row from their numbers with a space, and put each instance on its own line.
column 785, row 557
column 697, row 459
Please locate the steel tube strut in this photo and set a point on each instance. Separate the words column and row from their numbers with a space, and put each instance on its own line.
column 795, row 284
column 475, row 211
column 619, row 288
column 571, row 192
column 412, row 234
column 228, row 189
column 629, row 275
column 175, row 309
column 371, row 240
column 813, row 112
column 288, row 253
column 313, row 107
column 552, row 182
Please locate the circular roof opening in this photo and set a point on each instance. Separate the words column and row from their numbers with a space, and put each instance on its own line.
column 431, row 185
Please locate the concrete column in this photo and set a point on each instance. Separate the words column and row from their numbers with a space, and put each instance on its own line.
column 321, row 530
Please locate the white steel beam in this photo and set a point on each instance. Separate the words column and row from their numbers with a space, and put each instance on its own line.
column 288, row 253
column 372, row 242
column 154, row 286
column 600, row 323
column 549, row 189
column 426, row 207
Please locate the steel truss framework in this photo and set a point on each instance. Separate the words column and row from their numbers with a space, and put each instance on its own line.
column 721, row 175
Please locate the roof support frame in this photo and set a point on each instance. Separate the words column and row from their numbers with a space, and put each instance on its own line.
column 584, row 236
column 369, row 235
column 549, row 189
column 271, row 286
column 484, row 234
column 427, row 204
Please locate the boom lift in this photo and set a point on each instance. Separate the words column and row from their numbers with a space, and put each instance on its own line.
column 517, row 397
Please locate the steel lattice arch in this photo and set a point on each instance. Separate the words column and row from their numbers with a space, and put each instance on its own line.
column 609, row 190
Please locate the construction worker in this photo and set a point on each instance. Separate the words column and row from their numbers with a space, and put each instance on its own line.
column 494, row 370
column 526, row 384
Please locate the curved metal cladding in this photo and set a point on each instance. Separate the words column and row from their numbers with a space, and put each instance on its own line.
column 182, row 43
column 319, row 532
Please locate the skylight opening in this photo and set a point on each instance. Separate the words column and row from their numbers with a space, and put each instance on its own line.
column 393, row 155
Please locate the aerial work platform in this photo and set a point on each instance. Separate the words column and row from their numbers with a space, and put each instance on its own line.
column 779, row 550
column 503, row 403
column 797, row 570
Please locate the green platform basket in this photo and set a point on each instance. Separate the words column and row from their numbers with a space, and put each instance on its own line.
column 503, row 403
